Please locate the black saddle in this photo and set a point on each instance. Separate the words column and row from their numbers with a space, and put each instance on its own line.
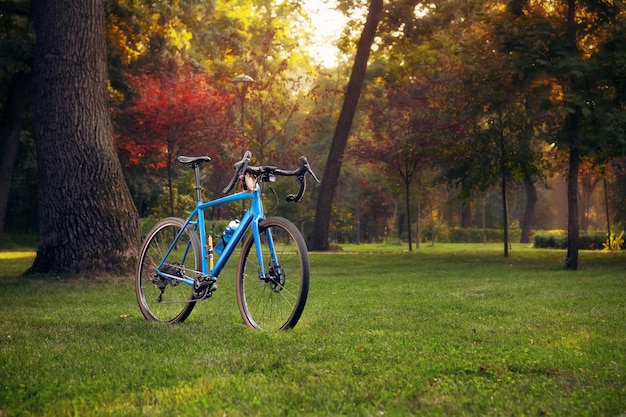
column 193, row 161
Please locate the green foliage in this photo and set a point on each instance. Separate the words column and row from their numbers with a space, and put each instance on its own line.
column 614, row 242
column 16, row 241
column 452, row 331
column 271, row 116
column 558, row 240
column 17, row 41
column 552, row 240
column 475, row 235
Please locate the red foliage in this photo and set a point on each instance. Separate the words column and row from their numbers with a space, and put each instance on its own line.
column 172, row 112
column 406, row 130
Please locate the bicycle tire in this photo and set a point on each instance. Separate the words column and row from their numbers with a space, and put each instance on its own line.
column 162, row 299
column 274, row 304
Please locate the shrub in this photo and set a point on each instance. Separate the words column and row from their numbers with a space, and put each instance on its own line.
column 614, row 243
column 557, row 239
column 478, row 235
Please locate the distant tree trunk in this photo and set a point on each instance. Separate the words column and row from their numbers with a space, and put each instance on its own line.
column 573, row 237
column 88, row 223
column 606, row 207
column 170, row 186
column 528, row 222
column 505, row 215
column 573, row 138
column 418, row 229
column 466, row 215
column 484, row 219
column 393, row 216
column 407, row 186
column 321, row 227
column 10, row 128
column 505, row 201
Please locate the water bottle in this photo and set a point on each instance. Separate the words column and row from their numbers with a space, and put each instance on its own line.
column 228, row 233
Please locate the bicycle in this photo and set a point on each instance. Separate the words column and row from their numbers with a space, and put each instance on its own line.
column 176, row 265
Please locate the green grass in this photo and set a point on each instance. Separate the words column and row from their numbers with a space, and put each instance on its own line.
column 446, row 330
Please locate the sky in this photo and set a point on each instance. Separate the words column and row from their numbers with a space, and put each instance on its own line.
column 329, row 24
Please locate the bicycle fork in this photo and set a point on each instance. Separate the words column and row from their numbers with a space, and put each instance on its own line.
column 272, row 274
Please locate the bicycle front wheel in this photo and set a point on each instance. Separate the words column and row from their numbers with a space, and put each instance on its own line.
column 161, row 298
column 273, row 298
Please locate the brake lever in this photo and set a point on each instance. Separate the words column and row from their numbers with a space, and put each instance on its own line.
column 240, row 170
column 305, row 168
column 305, row 163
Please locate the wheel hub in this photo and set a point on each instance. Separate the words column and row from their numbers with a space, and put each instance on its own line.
column 276, row 278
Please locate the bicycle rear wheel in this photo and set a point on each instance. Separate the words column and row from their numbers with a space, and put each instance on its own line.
column 273, row 299
column 161, row 298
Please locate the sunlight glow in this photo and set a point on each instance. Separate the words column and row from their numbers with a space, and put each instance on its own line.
column 422, row 10
column 328, row 25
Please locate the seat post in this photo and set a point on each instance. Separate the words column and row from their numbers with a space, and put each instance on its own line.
column 196, row 168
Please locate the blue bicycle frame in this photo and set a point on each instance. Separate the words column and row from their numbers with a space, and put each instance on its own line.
column 251, row 217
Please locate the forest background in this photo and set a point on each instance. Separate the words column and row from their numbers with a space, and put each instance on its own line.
column 470, row 116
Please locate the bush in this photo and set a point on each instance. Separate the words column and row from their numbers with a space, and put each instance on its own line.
column 476, row 235
column 446, row 234
column 614, row 243
column 15, row 241
column 557, row 239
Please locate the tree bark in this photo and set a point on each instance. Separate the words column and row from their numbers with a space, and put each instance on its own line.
column 88, row 223
column 10, row 128
column 321, row 227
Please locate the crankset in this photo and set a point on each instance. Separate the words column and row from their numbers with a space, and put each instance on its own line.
column 203, row 287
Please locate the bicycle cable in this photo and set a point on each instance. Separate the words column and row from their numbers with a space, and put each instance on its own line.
column 275, row 199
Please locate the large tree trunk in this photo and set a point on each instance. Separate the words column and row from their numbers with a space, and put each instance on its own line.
column 15, row 103
column 88, row 223
column 321, row 227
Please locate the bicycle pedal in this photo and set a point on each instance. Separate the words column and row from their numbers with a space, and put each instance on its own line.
column 203, row 287
column 203, row 281
column 204, row 293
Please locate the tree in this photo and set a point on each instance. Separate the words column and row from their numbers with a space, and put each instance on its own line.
column 564, row 44
column 88, row 223
column 319, row 237
column 174, row 111
column 404, row 126
column 259, row 39
column 490, row 106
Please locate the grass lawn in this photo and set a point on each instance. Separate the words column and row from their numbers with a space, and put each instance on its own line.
column 444, row 330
